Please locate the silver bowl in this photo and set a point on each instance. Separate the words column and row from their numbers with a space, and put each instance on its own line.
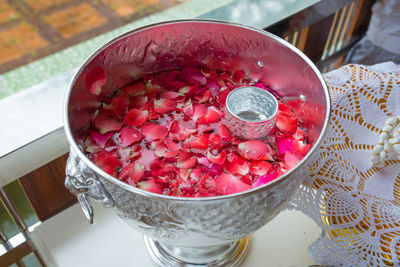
column 209, row 231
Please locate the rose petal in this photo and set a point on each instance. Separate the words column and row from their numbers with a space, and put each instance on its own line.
column 223, row 132
column 132, row 171
column 217, row 157
column 101, row 139
column 118, row 104
column 300, row 148
column 151, row 186
column 212, row 116
column 186, row 160
column 95, row 79
column 169, row 94
column 153, row 132
column 285, row 123
column 265, row 179
column 164, row 105
column 283, row 144
column 253, row 149
column 136, row 117
column 129, row 135
column 135, row 89
column 179, row 132
column 199, row 111
column 108, row 162
column 236, row 165
column 260, row 167
column 237, row 76
column 106, row 122
column 137, row 102
column 192, row 74
column 228, row 184
column 291, row 159
column 199, row 142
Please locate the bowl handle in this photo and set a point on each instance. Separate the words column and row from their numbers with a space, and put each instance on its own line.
column 84, row 183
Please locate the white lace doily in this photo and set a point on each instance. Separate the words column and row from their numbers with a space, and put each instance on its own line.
column 356, row 204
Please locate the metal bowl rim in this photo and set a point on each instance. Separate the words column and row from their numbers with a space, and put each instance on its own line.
column 136, row 190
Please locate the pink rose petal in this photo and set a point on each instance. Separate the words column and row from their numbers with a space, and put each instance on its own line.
column 228, row 184
column 264, row 179
column 136, row 117
column 101, row 139
column 253, row 149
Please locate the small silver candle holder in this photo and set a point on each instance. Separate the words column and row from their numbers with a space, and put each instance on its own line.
column 250, row 112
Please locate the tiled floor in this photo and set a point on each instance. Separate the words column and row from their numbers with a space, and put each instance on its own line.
column 32, row 29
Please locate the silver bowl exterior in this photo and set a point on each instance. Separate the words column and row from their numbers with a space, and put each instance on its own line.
column 193, row 222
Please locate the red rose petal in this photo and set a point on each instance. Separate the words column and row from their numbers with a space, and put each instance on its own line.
column 199, row 142
column 152, row 90
column 236, row 165
column 118, row 105
column 108, row 162
column 179, row 132
column 132, row 171
column 169, row 94
column 186, row 160
column 164, row 105
column 136, row 117
column 135, row 89
column 101, row 139
column 217, row 157
column 260, row 167
column 237, row 76
column 222, row 95
column 137, row 102
column 205, row 97
column 106, row 122
column 253, row 149
column 212, row 116
column 95, row 79
column 171, row 145
column 192, row 74
column 299, row 135
column 153, row 132
column 228, row 184
column 199, row 111
column 285, row 123
column 224, row 133
column 151, row 186
column 129, row 135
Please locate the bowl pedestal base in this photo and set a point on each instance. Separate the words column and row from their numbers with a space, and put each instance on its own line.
column 230, row 254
